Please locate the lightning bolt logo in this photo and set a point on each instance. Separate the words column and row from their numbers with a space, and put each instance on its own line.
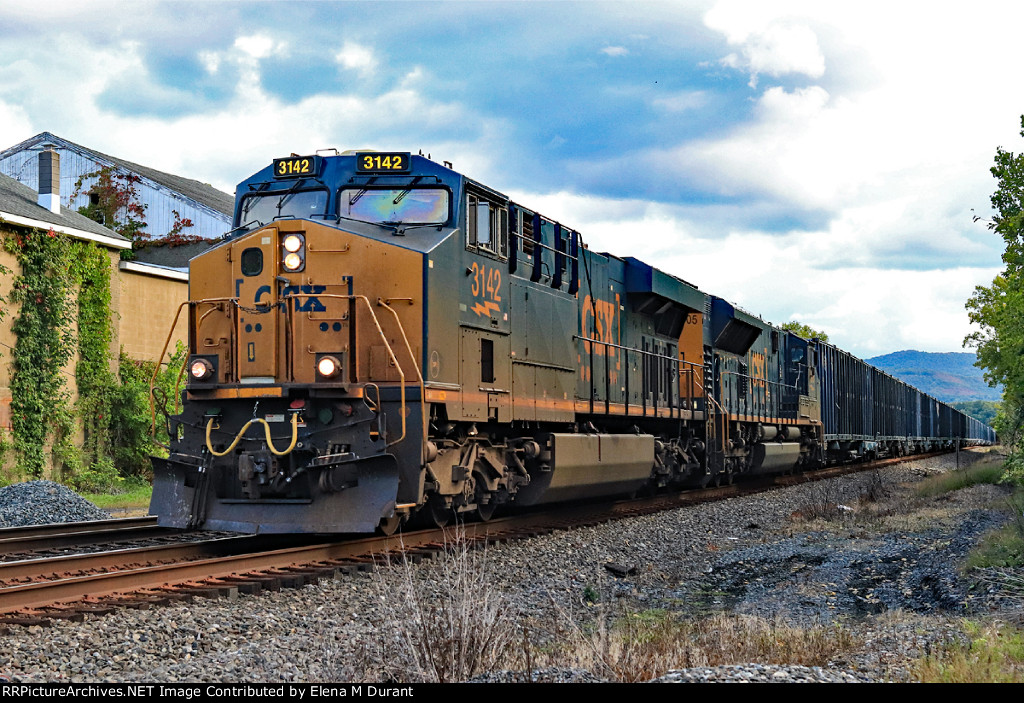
column 485, row 309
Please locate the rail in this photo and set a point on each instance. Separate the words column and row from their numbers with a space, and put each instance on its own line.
column 759, row 404
column 416, row 367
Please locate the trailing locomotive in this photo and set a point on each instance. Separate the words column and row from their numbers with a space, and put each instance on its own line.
column 381, row 337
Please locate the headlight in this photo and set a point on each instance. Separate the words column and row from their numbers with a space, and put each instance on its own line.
column 293, row 252
column 328, row 366
column 201, row 369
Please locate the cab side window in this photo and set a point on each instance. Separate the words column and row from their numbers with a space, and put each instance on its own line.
column 487, row 225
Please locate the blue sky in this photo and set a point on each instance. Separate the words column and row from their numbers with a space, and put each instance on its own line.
column 817, row 161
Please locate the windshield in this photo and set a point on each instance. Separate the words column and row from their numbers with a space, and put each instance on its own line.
column 264, row 207
column 395, row 205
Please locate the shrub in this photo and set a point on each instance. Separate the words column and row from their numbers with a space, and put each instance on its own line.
column 442, row 623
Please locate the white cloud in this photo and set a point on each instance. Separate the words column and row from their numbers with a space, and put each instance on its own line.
column 815, row 277
column 210, row 61
column 246, row 130
column 861, row 115
column 356, row 57
column 778, row 51
column 681, row 102
column 258, row 46
column 769, row 42
column 14, row 121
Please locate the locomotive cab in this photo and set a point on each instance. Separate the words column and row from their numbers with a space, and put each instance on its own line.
column 304, row 392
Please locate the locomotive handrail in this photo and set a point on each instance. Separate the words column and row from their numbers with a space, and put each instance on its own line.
column 416, row 367
column 156, row 370
column 760, row 380
column 167, row 341
column 645, row 353
column 641, row 351
column 755, row 379
column 288, row 298
column 725, row 421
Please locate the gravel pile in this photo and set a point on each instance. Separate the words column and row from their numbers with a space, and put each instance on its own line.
column 43, row 503
column 748, row 555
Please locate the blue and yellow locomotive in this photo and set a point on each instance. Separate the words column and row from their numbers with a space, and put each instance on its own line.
column 382, row 338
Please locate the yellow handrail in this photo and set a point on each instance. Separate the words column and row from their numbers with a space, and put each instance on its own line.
column 163, row 351
column 419, row 374
column 380, row 331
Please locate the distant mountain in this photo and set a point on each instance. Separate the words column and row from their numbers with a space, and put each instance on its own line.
column 951, row 377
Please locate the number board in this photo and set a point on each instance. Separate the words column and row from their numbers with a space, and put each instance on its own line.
column 297, row 166
column 383, row 162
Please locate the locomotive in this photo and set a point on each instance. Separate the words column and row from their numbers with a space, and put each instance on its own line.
column 382, row 338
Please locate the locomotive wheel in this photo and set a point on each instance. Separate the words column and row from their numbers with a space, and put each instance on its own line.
column 485, row 511
column 389, row 525
column 437, row 513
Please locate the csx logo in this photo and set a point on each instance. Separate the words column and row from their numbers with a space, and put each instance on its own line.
column 604, row 323
column 303, row 304
column 759, row 367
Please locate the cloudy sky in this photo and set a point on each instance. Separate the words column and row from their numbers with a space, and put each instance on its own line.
column 812, row 161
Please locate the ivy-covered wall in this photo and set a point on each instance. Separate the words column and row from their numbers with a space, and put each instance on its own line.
column 62, row 397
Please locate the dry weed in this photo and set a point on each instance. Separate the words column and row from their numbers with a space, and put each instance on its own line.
column 442, row 622
column 631, row 647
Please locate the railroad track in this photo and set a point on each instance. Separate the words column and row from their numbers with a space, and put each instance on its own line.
column 37, row 590
column 37, row 540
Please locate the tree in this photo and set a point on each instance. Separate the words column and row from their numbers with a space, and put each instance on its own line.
column 983, row 410
column 998, row 309
column 805, row 331
column 114, row 202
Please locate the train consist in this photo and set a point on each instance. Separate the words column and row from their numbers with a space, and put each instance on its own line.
column 382, row 338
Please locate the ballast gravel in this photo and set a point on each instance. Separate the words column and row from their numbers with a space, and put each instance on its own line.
column 44, row 502
column 751, row 555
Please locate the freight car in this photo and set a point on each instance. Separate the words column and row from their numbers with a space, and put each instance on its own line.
column 382, row 338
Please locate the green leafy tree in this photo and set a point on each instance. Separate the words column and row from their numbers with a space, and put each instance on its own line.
column 983, row 410
column 998, row 309
column 805, row 331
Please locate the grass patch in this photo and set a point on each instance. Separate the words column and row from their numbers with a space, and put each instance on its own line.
column 964, row 478
column 995, row 654
column 645, row 645
column 1003, row 548
column 133, row 493
column 864, row 504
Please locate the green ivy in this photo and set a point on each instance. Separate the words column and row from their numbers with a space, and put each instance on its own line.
column 112, row 411
column 95, row 381
column 131, row 443
column 44, row 346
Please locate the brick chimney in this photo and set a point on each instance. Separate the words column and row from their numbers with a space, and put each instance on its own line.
column 49, row 179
